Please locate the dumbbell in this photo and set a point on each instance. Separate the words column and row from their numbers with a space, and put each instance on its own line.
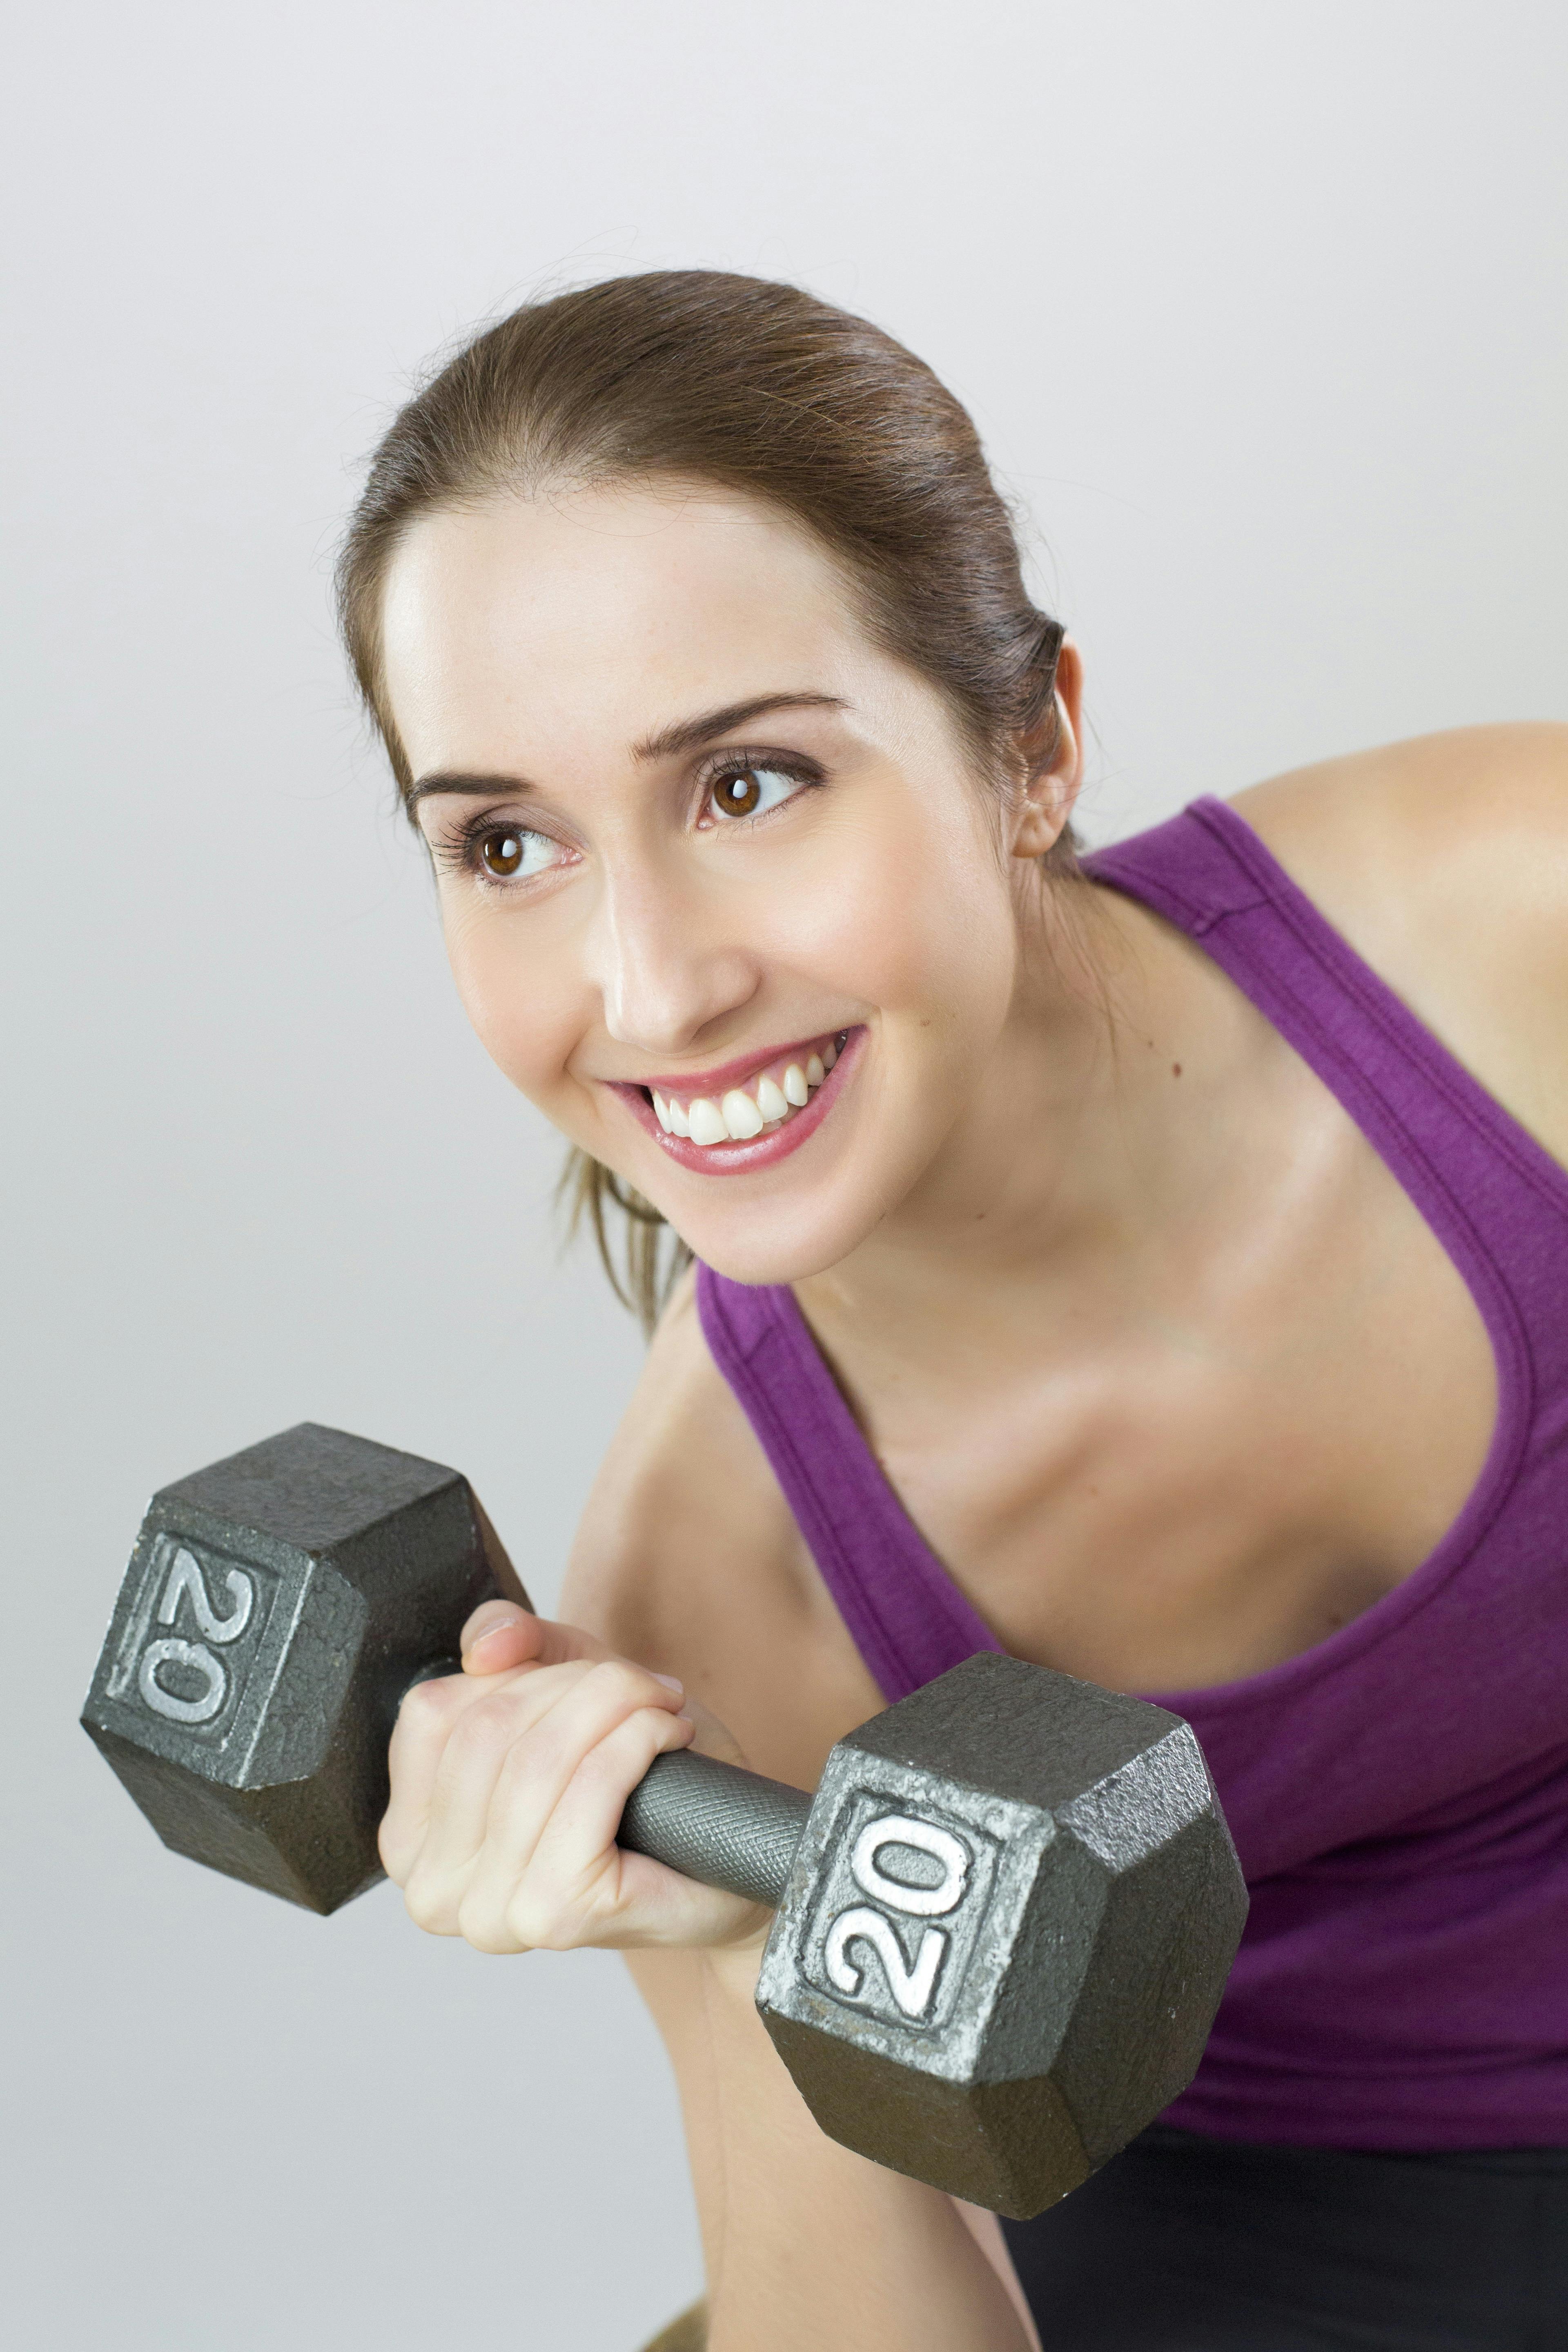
column 1003, row 1924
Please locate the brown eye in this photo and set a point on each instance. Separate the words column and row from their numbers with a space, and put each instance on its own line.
column 737, row 795
column 751, row 791
column 501, row 852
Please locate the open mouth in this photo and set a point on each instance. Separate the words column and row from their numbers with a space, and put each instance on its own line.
column 761, row 1118
column 772, row 1098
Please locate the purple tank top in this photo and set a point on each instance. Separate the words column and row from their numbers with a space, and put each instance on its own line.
column 1398, row 1794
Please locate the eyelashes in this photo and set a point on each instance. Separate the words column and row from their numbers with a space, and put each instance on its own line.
column 496, row 852
column 740, row 788
column 747, row 786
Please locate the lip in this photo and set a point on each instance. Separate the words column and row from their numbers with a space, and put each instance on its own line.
column 765, row 1151
column 688, row 1083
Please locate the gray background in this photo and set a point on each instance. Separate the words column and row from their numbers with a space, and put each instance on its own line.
column 1262, row 311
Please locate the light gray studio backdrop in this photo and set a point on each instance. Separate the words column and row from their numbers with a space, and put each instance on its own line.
column 1263, row 313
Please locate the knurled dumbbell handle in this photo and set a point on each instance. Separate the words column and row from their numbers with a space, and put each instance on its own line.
column 716, row 1823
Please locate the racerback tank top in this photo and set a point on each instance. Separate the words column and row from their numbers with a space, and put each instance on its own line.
column 1399, row 1793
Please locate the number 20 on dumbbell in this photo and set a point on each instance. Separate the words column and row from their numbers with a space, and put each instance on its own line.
column 911, row 1982
column 183, row 1681
column 1002, row 1923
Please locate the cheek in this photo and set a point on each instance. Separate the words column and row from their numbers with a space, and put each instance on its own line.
column 923, row 923
column 522, row 1005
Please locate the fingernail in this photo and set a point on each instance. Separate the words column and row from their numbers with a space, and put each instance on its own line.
column 670, row 1682
column 506, row 1617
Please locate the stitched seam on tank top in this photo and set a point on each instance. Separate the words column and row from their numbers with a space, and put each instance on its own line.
column 937, row 1591
column 1152, row 890
column 1420, row 1048
column 1358, row 1639
column 932, row 1588
column 760, row 1405
column 1367, row 991
column 1334, row 1053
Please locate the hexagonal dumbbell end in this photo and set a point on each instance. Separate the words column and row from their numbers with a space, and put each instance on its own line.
column 277, row 1607
column 1003, row 1922
column 1006, row 1932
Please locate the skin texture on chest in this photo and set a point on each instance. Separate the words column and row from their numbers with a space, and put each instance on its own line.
column 1184, row 1492
column 1173, row 1480
column 1183, row 1460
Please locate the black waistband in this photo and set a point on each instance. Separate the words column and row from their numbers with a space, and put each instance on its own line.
column 1533, row 2162
column 1189, row 2243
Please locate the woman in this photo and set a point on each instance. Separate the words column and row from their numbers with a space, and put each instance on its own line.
column 1157, row 1268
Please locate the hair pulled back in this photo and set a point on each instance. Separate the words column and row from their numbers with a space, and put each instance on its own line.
column 761, row 389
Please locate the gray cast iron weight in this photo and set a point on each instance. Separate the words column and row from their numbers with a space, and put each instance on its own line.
column 1003, row 1924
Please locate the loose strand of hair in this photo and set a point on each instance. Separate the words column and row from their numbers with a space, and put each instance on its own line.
column 651, row 1257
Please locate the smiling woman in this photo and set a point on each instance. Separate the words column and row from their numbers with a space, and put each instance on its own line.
column 1155, row 1266
column 620, row 410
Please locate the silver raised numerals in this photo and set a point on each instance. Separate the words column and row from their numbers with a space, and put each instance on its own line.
column 200, row 1660
column 910, row 1980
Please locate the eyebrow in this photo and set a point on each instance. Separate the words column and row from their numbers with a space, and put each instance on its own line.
column 691, row 734
column 685, row 735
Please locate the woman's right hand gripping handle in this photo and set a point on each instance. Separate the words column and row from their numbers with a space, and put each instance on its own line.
column 508, row 1784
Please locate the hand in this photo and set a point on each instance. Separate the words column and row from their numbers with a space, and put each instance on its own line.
column 508, row 1784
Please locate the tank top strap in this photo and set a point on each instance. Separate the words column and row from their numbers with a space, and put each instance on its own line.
column 907, row 1618
column 1193, row 868
column 1491, row 1193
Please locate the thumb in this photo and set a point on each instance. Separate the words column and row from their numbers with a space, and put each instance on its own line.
column 713, row 1738
column 500, row 1635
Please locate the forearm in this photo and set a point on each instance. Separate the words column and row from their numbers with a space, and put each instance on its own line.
column 805, row 2242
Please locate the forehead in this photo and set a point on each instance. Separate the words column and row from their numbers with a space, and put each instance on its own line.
column 590, row 617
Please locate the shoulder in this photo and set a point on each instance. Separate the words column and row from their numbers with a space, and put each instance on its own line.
column 1427, row 804
column 689, row 1559
column 1443, row 862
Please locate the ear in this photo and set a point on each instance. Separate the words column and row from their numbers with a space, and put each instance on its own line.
column 1053, row 756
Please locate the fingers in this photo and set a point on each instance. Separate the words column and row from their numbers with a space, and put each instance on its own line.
column 550, row 1875
column 531, row 1735
column 508, row 1785
column 427, row 1719
column 500, row 1638
column 480, row 1764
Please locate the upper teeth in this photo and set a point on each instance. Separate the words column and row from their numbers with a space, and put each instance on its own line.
column 739, row 1114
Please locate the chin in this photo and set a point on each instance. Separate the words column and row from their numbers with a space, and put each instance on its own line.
column 793, row 1231
column 779, row 1253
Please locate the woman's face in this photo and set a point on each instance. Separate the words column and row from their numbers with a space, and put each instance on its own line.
column 722, row 894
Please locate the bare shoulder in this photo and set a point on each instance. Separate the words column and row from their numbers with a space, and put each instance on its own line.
column 1443, row 861
column 689, row 1559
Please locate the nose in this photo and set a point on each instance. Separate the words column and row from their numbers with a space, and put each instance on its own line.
column 670, row 968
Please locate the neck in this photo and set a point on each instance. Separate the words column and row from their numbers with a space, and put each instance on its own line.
column 1097, row 1127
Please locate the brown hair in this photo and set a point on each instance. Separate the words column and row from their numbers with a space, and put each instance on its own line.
column 762, row 389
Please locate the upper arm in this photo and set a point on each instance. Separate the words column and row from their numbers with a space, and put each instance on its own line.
column 688, row 1559
column 1443, row 862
